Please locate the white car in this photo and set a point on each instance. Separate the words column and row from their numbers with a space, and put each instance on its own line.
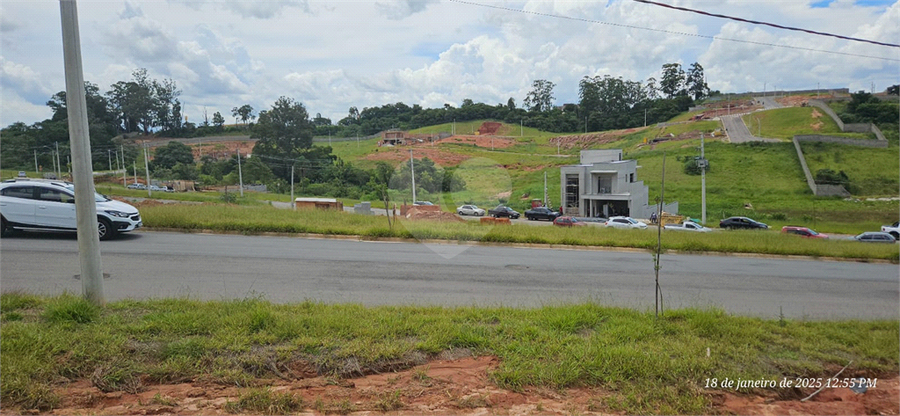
column 470, row 210
column 625, row 222
column 36, row 204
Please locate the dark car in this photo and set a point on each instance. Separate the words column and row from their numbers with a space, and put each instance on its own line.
column 568, row 222
column 541, row 213
column 504, row 211
column 733, row 223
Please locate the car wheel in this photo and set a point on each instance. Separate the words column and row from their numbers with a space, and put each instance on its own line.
column 105, row 229
column 895, row 234
column 459, row 213
column 5, row 229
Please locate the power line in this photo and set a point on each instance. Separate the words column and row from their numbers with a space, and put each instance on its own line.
column 670, row 32
column 756, row 22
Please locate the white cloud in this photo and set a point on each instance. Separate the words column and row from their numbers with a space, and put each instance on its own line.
column 334, row 55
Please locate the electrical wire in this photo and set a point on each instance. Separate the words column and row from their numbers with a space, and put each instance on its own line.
column 670, row 32
column 756, row 22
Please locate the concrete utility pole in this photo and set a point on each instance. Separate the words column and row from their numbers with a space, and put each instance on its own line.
column 35, row 161
column 293, row 204
column 109, row 158
column 702, row 182
column 545, row 188
column 240, row 173
column 124, row 168
column 80, row 142
column 147, row 168
column 412, row 171
column 58, row 166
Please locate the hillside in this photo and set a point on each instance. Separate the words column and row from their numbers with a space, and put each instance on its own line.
column 764, row 176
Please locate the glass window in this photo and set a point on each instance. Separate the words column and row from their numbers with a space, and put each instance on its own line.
column 24, row 192
column 53, row 195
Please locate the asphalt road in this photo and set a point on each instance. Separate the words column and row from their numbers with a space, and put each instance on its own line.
column 286, row 269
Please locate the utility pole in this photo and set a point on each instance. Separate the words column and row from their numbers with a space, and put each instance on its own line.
column 80, row 143
column 124, row 168
column 134, row 171
column 58, row 167
column 545, row 188
column 412, row 170
column 240, row 173
column 293, row 204
column 662, row 198
column 147, row 168
column 35, row 161
column 645, row 117
column 521, row 129
column 109, row 158
column 702, row 182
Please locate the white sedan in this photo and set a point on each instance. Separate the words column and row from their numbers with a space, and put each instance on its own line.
column 625, row 222
column 470, row 210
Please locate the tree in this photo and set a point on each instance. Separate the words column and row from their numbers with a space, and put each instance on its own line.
column 893, row 90
column 672, row 83
column 218, row 121
column 166, row 157
column 696, row 82
column 283, row 133
column 511, row 104
column 244, row 112
column 540, row 98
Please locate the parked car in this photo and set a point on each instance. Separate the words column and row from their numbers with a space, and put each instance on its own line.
column 893, row 230
column 732, row 223
column 568, row 222
column 625, row 222
column 470, row 210
column 136, row 186
column 37, row 204
column 687, row 226
column 541, row 213
column 155, row 188
column 875, row 237
column 802, row 231
column 422, row 203
column 504, row 211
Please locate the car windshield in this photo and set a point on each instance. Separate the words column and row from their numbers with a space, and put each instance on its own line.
column 97, row 197
column 811, row 232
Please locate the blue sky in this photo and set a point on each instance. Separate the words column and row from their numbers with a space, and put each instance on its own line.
column 331, row 55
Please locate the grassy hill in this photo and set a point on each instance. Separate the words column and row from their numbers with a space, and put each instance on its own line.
column 761, row 180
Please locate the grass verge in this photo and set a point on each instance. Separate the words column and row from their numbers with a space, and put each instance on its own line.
column 650, row 365
column 260, row 219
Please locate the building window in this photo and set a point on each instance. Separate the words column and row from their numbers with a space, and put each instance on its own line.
column 572, row 191
column 631, row 177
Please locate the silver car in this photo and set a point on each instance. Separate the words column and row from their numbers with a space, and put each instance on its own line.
column 875, row 237
column 470, row 210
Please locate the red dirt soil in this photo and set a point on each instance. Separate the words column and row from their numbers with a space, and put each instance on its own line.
column 480, row 141
column 446, row 386
column 401, row 153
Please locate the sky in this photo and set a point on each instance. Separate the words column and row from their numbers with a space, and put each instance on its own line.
column 333, row 55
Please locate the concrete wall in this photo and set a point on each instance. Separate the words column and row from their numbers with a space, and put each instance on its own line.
column 840, row 140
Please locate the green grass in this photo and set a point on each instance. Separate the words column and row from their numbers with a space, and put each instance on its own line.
column 260, row 219
column 872, row 171
column 648, row 365
column 785, row 123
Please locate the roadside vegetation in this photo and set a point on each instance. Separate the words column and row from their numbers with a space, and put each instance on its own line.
column 650, row 366
column 265, row 219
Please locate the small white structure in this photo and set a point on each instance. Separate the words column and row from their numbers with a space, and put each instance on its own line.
column 604, row 185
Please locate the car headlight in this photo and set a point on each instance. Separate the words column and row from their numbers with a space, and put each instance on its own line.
column 119, row 214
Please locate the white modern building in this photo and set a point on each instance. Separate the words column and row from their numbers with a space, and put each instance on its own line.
column 604, row 185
